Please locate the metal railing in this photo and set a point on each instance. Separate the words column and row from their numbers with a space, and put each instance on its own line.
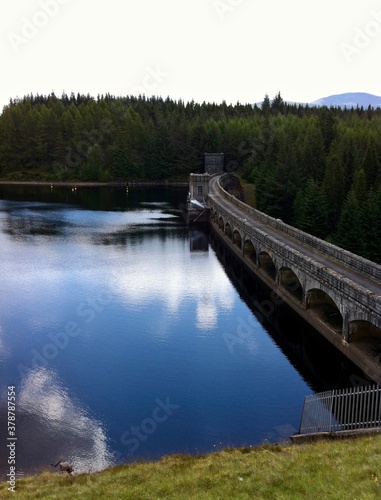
column 342, row 410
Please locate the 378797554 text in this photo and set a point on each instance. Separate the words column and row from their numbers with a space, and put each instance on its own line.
column 11, row 439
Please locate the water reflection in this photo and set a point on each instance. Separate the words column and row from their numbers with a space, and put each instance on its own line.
column 187, row 281
column 3, row 353
column 320, row 364
column 198, row 238
column 24, row 223
column 27, row 221
column 51, row 426
column 161, row 333
column 104, row 198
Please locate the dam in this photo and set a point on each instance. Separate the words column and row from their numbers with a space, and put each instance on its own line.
column 336, row 291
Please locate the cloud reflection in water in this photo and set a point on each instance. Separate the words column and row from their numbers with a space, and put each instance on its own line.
column 51, row 420
column 183, row 279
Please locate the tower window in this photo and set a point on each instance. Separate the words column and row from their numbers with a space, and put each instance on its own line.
column 199, row 190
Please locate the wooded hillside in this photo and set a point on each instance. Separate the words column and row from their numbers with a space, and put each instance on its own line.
column 316, row 168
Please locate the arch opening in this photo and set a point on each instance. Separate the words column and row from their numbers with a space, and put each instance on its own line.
column 228, row 231
column 366, row 337
column 266, row 263
column 221, row 223
column 249, row 252
column 237, row 240
column 321, row 304
column 290, row 282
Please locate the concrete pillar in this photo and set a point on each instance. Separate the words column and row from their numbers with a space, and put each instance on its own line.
column 345, row 330
column 304, row 292
column 277, row 275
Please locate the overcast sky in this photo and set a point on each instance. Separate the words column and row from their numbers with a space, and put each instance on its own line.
column 212, row 50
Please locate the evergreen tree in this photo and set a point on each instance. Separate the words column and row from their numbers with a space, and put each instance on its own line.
column 327, row 124
column 278, row 105
column 93, row 168
column 266, row 105
column 350, row 234
column 311, row 210
column 371, row 226
column 299, row 158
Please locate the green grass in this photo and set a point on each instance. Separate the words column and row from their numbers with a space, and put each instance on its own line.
column 347, row 469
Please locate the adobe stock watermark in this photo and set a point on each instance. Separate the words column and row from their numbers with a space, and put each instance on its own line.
column 245, row 331
column 249, row 148
column 366, row 378
column 153, row 78
column 30, row 27
column 223, row 7
column 59, row 341
column 363, row 37
column 246, row 328
column 140, row 433
column 75, row 156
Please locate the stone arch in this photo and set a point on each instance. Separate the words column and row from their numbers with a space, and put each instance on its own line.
column 360, row 330
column 367, row 338
column 267, row 264
column 249, row 251
column 237, row 240
column 228, row 231
column 325, row 308
column 221, row 223
column 290, row 281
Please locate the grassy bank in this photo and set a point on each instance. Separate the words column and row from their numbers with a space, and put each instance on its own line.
column 348, row 469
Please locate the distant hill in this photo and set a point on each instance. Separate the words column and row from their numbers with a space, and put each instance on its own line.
column 349, row 100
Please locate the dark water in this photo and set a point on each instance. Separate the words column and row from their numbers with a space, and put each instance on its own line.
column 126, row 335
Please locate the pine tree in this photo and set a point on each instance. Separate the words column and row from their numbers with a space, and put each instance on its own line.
column 350, row 234
column 277, row 105
column 327, row 124
column 371, row 225
column 266, row 105
column 311, row 210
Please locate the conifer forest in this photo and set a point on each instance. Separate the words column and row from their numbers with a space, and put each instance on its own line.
column 316, row 168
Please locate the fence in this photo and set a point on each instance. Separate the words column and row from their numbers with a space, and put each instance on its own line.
column 342, row 410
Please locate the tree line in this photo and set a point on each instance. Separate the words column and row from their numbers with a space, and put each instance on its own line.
column 318, row 169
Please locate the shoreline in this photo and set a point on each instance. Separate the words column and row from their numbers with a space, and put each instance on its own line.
column 96, row 184
column 267, row 471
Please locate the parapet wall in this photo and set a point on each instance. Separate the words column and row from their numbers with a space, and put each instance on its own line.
column 317, row 273
column 353, row 261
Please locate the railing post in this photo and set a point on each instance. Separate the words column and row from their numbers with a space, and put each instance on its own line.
column 331, row 411
column 301, row 418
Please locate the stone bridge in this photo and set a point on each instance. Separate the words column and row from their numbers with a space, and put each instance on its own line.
column 337, row 292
